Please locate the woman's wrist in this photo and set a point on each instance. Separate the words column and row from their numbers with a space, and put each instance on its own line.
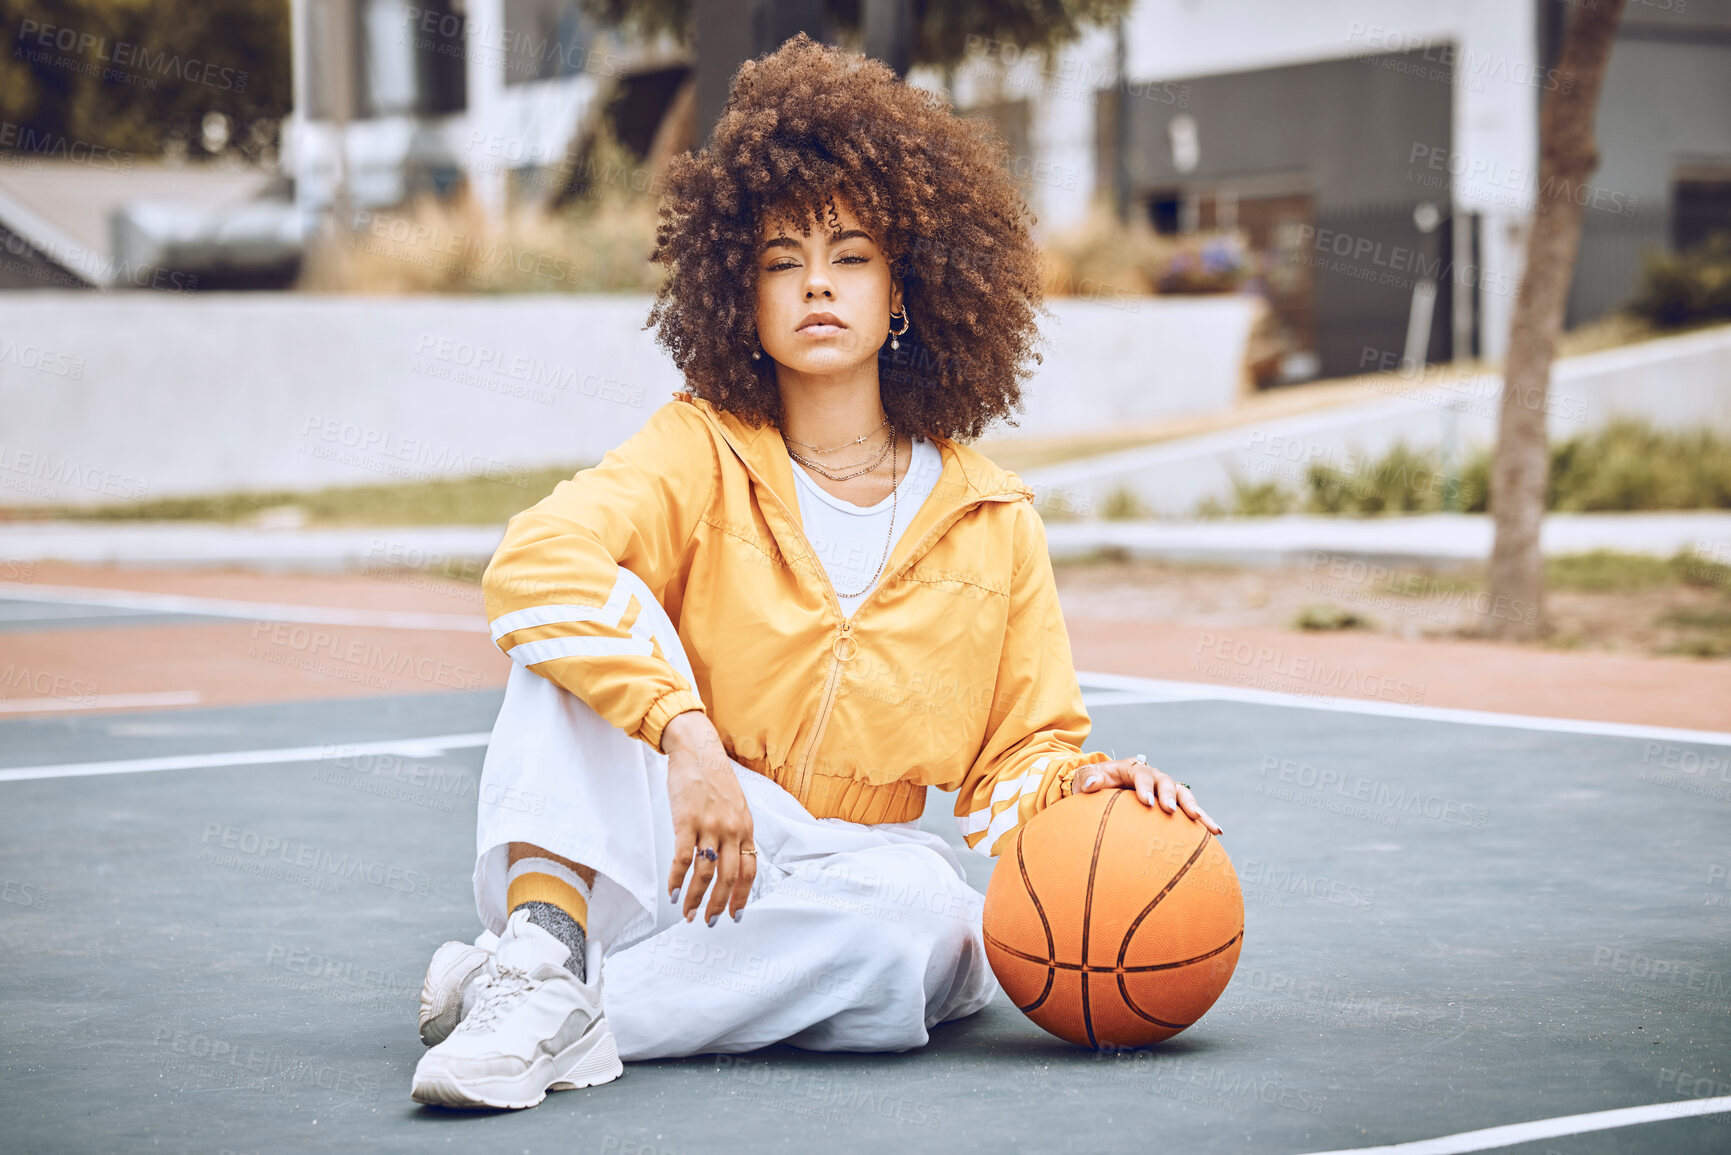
column 685, row 731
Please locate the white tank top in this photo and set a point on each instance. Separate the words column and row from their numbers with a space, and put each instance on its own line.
column 848, row 538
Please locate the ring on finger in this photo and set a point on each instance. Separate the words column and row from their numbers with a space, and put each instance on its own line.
column 707, row 852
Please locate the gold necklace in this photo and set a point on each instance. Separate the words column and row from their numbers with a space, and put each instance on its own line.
column 820, row 449
column 833, row 472
column 889, row 536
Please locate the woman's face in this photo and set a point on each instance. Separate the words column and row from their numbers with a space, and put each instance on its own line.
column 838, row 270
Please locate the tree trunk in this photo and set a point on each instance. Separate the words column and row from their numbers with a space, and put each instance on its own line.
column 1520, row 473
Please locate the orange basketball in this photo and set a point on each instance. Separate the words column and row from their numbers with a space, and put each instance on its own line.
column 1113, row 924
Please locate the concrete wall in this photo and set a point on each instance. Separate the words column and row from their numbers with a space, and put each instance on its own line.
column 107, row 398
column 1676, row 383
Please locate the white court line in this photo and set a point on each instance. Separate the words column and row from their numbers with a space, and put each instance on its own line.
column 408, row 747
column 475, row 623
column 1119, row 689
column 1513, row 1133
column 101, row 701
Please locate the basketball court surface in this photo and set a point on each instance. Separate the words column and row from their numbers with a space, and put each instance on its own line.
column 1462, row 933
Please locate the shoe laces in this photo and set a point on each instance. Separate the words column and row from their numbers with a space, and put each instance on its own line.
column 501, row 988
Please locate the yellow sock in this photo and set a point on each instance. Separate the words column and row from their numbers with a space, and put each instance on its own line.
column 543, row 880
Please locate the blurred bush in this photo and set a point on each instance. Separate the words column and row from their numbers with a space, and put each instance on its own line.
column 1686, row 288
column 598, row 243
column 1623, row 465
column 1103, row 256
column 1628, row 464
column 1403, row 480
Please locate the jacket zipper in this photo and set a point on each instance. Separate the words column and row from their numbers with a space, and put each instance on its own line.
column 827, row 702
column 836, row 660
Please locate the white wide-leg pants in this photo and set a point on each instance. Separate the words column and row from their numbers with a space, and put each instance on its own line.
column 856, row 937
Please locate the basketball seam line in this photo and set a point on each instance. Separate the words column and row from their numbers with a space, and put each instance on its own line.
column 1087, row 913
column 1101, row 970
column 1124, row 947
column 1051, row 946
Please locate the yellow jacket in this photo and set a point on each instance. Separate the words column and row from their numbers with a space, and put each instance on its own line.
column 954, row 672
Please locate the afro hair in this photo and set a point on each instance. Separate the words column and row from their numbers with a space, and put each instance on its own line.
column 808, row 122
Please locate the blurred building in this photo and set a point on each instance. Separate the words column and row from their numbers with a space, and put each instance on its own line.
column 1367, row 147
column 393, row 97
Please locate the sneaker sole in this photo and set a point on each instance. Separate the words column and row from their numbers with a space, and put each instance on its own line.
column 442, row 989
column 590, row 1061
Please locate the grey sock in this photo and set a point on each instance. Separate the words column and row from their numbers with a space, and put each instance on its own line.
column 562, row 927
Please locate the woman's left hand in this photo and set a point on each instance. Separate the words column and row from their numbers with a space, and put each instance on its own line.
column 1149, row 784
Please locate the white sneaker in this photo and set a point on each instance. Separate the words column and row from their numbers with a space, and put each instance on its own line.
column 532, row 1028
column 450, row 983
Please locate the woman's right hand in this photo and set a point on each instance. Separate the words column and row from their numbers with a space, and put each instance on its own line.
column 709, row 810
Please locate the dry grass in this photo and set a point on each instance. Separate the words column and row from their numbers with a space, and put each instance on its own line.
column 599, row 243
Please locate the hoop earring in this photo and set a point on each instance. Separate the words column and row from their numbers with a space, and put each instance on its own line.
column 901, row 314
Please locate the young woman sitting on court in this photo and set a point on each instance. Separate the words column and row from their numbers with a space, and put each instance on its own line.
column 747, row 642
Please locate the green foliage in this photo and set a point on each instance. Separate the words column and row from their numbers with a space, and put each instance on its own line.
column 1686, row 288
column 1622, row 465
column 142, row 75
column 1612, row 571
column 1630, row 465
column 1250, row 499
column 1123, row 505
column 1328, row 617
column 1403, row 480
column 1609, row 571
column 1706, row 631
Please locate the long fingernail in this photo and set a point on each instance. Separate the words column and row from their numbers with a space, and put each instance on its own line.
column 710, row 921
column 738, row 914
column 1088, row 782
column 673, row 895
